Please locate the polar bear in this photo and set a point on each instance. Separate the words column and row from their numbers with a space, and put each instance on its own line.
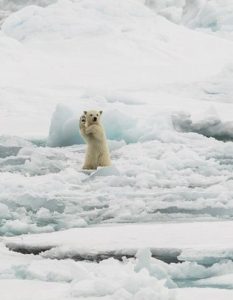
column 93, row 133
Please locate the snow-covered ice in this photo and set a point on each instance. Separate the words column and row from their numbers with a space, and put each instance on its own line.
column 209, row 16
column 212, row 245
column 157, row 224
column 144, row 277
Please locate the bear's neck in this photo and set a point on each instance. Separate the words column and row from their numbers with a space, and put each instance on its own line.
column 89, row 124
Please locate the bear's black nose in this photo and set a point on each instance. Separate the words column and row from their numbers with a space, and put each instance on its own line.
column 95, row 119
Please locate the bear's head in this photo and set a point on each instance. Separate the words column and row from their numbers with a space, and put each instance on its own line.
column 93, row 116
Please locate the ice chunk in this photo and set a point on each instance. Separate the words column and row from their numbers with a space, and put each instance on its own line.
column 94, row 288
column 105, row 171
column 15, row 5
column 122, row 126
column 64, row 128
column 8, row 151
column 13, row 141
column 207, row 123
column 17, row 25
column 223, row 281
column 34, row 21
column 119, row 126
column 154, row 267
column 4, row 211
column 115, row 145
column 143, row 256
column 18, row 227
column 218, row 88
column 215, row 15
column 172, row 13
column 52, row 270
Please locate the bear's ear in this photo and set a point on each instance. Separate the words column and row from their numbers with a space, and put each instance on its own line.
column 85, row 112
column 101, row 112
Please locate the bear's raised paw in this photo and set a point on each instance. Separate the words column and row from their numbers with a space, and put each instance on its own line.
column 82, row 119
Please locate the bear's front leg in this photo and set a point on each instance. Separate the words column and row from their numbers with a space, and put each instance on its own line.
column 82, row 122
column 91, row 129
column 95, row 131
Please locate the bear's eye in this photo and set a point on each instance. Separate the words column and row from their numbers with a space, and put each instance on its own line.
column 91, row 115
column 97, row 115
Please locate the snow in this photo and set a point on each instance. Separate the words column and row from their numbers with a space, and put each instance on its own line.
column 72, row 280
column 203, row 294
column 157, row 223
column 214, row 243
column 203, row 15
column 134, row 278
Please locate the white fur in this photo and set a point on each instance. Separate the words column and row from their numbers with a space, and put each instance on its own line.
column 91, row 129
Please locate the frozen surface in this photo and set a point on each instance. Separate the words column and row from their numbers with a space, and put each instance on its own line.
column 16, row 4
column 213, row 245
column 133, row 278
column 210, row 16
column 174, row 176
column 159, row 220
column 68, row 279
column 84, row 55
column 203, row 294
